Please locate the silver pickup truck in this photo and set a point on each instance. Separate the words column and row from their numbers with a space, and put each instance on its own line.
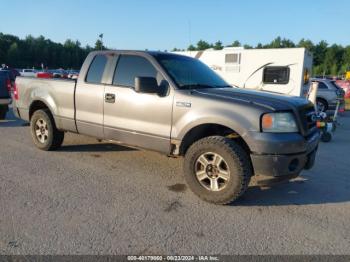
column 178, row 106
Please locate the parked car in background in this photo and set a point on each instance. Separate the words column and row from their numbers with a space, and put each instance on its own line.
column 6, row 85
column 59, row 73
column 345, row 85
column 28, row 72
column 73, row 74
column 328, row 94
column 44, row 74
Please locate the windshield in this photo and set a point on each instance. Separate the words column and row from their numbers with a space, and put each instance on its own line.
column 190, row 73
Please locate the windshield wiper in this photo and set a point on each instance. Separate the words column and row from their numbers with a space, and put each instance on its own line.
column 196, row 86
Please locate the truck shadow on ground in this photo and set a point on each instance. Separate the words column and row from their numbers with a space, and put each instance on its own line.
column 297, row 192
column 101, row 147
column 12, row 123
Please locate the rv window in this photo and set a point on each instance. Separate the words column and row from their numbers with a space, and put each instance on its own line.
column 233, row 58
column 276, row 75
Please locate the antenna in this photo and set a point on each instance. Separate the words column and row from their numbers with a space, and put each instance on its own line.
column 190, row 39
column 101, row 37
column 189, row 32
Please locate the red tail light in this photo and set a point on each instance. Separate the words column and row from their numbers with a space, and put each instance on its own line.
column 8, row 85
column 15, row 91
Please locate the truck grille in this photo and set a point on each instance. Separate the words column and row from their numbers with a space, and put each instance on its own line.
column 308, row 119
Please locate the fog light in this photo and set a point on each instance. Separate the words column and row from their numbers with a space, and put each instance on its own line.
column 293, row 165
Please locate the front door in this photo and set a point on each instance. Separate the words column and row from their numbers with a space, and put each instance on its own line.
column 143, row 120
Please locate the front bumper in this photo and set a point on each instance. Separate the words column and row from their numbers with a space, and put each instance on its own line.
column 278, row 165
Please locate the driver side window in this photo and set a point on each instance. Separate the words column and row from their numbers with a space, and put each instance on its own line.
column 131, row 66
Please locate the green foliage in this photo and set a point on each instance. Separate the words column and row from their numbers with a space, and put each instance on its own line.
column 235, row 44
column 191, row 48
column 99, row 45
column 247, row 46
column 32, row 51
column 202, row 45
column 218, row 45
column 306, row 44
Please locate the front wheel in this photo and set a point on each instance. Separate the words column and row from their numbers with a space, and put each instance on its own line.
column 217, row 169
column 45, row 134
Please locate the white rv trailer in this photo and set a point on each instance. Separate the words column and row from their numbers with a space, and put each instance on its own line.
column 284, row 70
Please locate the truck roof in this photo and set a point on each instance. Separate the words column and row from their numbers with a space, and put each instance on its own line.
column 132, row 52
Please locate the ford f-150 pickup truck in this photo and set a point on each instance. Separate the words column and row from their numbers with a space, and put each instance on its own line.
column 178, row 106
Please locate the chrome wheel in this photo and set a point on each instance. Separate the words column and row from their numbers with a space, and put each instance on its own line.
column 41, row 131
column 212, row 171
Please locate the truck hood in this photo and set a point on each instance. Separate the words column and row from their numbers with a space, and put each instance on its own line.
column 271, row 101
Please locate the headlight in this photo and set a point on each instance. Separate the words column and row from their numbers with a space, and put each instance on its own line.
column 279, row 123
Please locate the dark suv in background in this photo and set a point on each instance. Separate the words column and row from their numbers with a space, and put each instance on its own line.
column 7, row 80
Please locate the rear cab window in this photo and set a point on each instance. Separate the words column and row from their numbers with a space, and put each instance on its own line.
column 276, row 75
column 96, row 69
column 131, row 66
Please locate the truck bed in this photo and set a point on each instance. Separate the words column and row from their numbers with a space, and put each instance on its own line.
column 58, row 94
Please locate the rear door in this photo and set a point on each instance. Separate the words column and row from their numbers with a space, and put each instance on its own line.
column 143, row 120
column 89, row 97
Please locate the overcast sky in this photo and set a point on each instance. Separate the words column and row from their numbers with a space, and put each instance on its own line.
column 156, row 24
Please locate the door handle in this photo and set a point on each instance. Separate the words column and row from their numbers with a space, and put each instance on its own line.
column 110, row 98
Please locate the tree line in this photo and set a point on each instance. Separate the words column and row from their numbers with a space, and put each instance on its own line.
column 35, row 51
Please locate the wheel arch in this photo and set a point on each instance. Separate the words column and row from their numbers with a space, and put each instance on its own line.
column 36, row 105
column 324, row 100
column 210, row 129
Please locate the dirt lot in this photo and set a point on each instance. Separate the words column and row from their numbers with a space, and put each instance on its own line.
column 101, row 198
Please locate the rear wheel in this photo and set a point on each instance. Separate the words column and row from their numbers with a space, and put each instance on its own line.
column 217, row 169
column 3, row 111
column 44, row 132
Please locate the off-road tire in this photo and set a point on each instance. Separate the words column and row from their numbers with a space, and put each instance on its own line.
column 237, row 160
column 54, row 138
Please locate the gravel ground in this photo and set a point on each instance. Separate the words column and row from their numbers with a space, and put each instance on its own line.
column 101, row 198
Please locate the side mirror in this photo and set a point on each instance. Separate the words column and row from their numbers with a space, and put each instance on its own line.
column 147, row 85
